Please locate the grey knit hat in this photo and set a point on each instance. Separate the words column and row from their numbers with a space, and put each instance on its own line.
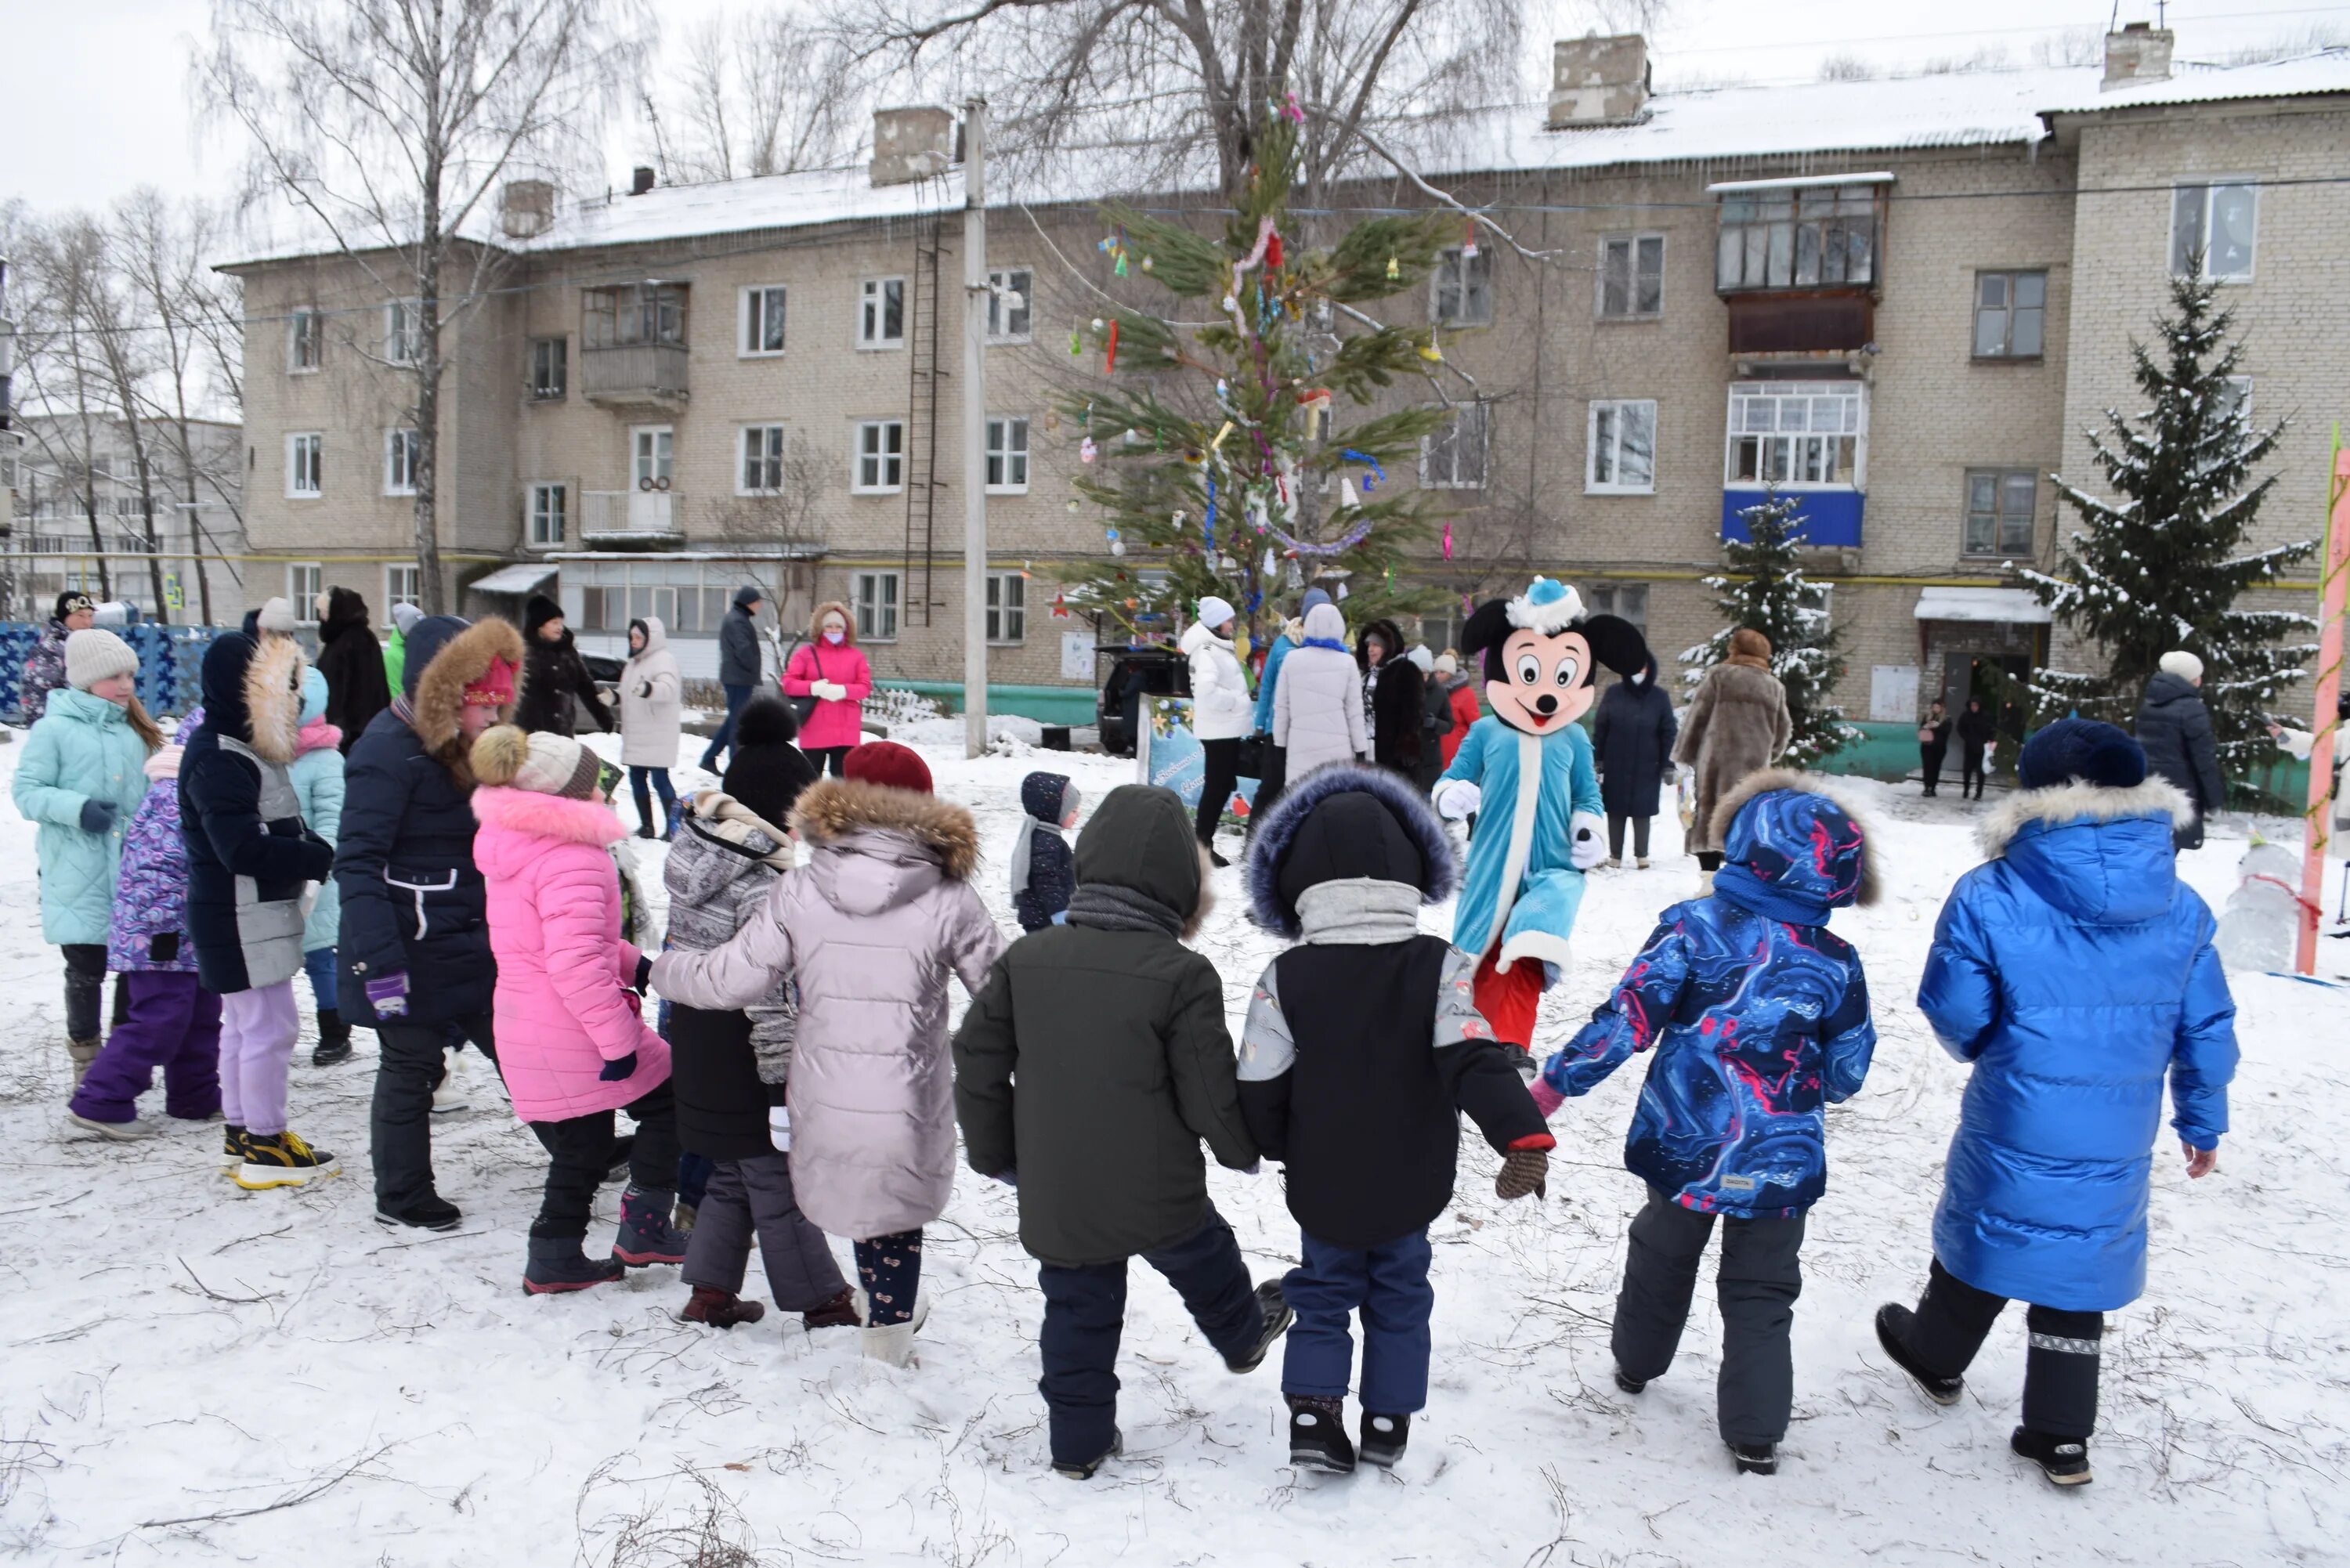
column 95, row 655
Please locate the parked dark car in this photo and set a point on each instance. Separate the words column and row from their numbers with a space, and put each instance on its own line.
column 1130, row 674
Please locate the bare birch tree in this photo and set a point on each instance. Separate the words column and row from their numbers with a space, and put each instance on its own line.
column 390, row 125
column 64, row 374
column 769, row 91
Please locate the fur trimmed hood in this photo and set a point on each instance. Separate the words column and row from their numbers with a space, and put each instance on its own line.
column 548, row 816
column 253, row 692
column 1763, row 781
column 438, row 701
column 1274, row 883
column 2075, row 800
column 834, row 809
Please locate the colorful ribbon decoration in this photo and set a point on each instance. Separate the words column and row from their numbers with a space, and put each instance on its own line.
column 1378, row 475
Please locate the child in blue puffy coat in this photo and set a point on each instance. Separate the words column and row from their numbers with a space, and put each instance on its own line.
column 318, row 774
column 1759, row 1018
column 2077, row 972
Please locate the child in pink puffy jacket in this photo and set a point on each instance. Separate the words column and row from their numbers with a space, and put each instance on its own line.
column 573, row 1043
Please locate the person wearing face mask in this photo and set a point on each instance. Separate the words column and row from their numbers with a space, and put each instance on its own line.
column 44, row 667
column 1633, row 735
column 1391, row 693
column 830, row 671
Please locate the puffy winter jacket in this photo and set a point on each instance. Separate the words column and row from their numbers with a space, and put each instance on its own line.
column 1317, row 712
column 720, row 870
column 150, row 931
column 1462, row 692
column 837, row 720
column 652, row 701
column 1220, row 708
column 2075, row 971
column 318, row 774
column 45, row 672
column 1632, row 737
column 563, row 1004
column 871, row 928
column 1267, row 679
column 558, row 696
column 84, row 750
column 351, row 660
column 738, row 642
column 250, row 857
column 2175, row 727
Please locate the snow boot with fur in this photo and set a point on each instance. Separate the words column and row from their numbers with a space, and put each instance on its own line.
column 82, row 1052
column 645, row 1235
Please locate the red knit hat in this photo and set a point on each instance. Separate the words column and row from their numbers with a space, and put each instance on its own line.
column 494, row 688
column 890, row 765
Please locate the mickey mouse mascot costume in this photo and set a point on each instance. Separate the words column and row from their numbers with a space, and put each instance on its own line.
column 1526, row 769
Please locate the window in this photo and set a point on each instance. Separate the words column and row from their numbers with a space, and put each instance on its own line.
column 763, row 460
column 306, row 341
column 550, row 368
column 1623, row 448
column 548, row 511
column 763, row 320
column 1007, row 607
column 1797, row 433
column 1007, row 457
column 876, row 606
column 1813, row 236
column 401, row 451
column 2211, row 230
column 653, row 455
column 1632, row 277
column 1628, row 600
column 303, row 452
column 403, row 332
column 1999, row 511
column 303, row 583
column 1454, row 458
column 881, row 313
column 632, row 313
column 1462, row 288
column 880, row 457
column 1009, row 299
column 401, row 585
column 2008, row 310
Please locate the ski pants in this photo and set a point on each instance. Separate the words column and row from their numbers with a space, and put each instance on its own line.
column 1761, row 1276
column 2060, row 1367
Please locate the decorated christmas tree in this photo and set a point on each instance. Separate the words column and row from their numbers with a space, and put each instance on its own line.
column 2160, row 564
column 1220, row 456
column 1766, row 589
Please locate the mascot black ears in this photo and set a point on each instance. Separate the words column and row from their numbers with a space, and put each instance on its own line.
column 1542, row 654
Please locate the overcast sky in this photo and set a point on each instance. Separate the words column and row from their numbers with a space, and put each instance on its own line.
column 99, row 90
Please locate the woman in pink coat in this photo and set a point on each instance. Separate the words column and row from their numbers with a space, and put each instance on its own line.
column 831, row 670
column 573, row 1045
column 870, row 929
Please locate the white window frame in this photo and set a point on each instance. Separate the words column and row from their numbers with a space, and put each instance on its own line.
column 867, row 603
column 1629, row 245
column 2209, row 186
column 1797, row 450
column 1019, row 280
column 1609, row 454
column 754, row 303
column 304, row 581
column 1007, row 608
column 536, row 515
column 402, row 342
column 394, row 573
column 652, row 462
column 888, row 466
column 872, row 312
column 401, row 451
column 1999, row 477
column 1472, row 280
column 306, row 325
column 299, row 444
column 772, row 443
column 1452, row 479
column 1005, row 458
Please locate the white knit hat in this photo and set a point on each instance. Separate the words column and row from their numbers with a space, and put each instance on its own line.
column 405, row 615
column 537, row 762
column 2182, row 663
column 276, row 615
column 1214, row 612
column 93, row 656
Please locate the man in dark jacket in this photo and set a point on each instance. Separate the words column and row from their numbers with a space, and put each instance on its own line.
column 415, row 939
column 1978, row 728
column 555, row 686
column 2175, row 728
column 738, row 665
column 1933, row 744
column 1092, row 1063
column 352, row 662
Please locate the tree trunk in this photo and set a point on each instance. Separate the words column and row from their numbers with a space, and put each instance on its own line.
column 147, row 514
column 427, row 477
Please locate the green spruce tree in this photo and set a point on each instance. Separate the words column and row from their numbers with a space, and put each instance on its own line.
column 1765, row 589
column 2158, row 564
column 1218, row 456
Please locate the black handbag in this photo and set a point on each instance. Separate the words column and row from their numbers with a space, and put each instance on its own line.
column 1250, row 757
column 803, row 708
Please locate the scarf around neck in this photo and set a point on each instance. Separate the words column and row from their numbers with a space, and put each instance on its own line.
column 1106, row 907
column 1024, row 840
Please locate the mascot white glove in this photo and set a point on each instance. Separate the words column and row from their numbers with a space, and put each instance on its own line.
column 1459, row 799
column 1587, row 833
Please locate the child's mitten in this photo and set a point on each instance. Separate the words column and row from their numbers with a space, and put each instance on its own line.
column 1523, row 1170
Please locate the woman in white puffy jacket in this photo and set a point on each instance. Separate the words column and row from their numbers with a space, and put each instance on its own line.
column 1221, row 712
column 1317, row 708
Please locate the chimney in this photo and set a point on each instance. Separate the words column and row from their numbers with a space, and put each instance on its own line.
column 2137, row 54
column 1598, row 81
column 911, row 143
column 640, row 179
column 526, row 208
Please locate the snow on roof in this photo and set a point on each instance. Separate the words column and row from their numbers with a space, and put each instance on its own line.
column 2321, row 72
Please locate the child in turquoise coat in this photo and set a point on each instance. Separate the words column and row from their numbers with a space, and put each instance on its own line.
column 317, row 771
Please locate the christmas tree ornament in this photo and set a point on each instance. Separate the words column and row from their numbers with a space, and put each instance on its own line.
column 1087, row 450
column 1147, row 263
column 1394, row 271
column 1348, row 499
column 1272, row 252
column 1469, row 245
column 1431, row 351
column 1111, row 364
column 1099, row 325
column 1271, row 565
column 1077, row 344
column 1226, row 564
column 1378, row 475
column 1075, row 505
column 1448, row 541
column 1217, row 444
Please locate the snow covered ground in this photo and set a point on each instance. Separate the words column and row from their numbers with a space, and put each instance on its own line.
column 199, row 1374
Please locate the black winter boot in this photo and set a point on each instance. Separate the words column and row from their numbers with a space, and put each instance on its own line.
column 1630, row 1384
column 557, row 1264
column 1893, row 1323
column 1277, row 1317
column 2064, row 1460
column 334, row 1039
column 1085, row 1472
column 1756, row 1459
column 1317, row 1435
column 645, row 1235
column 1384, row 1437
column 430, row 1212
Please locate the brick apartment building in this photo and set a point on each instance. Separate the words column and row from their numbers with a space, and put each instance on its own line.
column 1905, row 299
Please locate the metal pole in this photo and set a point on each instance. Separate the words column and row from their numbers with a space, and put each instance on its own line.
column 974, row 427
column 2317, row 822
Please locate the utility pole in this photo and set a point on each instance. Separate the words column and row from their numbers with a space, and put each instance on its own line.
column 974, row 427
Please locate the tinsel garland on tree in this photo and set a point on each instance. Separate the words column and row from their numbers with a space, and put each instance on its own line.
column 1766, row 589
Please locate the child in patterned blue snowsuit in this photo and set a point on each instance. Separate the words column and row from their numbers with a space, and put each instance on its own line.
column 1758, row 1017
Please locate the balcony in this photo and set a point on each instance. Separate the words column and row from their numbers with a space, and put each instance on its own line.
column 635, row 376
column 1827, row 519
column 631, row 516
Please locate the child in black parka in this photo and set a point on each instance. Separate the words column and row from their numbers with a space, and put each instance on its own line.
column 1043, row 874
column 1362, row 1046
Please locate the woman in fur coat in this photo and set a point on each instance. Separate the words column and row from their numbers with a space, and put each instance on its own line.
column 1737, row 722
